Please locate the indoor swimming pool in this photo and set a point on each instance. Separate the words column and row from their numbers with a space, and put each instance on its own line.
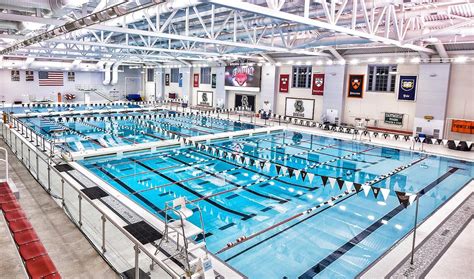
column 244, row 189
column 95, row 131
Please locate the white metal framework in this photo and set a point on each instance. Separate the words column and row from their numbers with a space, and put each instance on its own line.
column 196, row 31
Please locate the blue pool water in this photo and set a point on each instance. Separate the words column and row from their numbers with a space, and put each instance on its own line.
column 99, row 133
column 337, row 240
column 67, row 107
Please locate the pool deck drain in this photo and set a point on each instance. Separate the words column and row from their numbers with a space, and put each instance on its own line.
column 433, row 248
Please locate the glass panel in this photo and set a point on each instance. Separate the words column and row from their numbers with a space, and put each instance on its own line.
column 119, row 249
column 71, row 201
column 92, row 223
column 55, row 182
column 157, row 272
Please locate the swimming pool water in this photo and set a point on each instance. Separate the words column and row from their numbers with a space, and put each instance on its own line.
column 104, row 130
column 338, row 240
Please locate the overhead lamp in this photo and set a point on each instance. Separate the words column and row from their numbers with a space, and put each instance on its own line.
column 354, row 61
column 290, row 62
column 341, row 62
column 415, row 60
column 298, row 63
column 278, row 64
column 460, row 59
column 372, row 59
column 308, row 63
column 329, row 62
column 385, row 60
column 319, row 62
column 400, row 60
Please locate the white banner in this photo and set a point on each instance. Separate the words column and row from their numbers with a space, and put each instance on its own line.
column 299, row 108
column 205, row 98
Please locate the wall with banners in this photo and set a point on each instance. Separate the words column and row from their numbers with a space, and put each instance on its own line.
column 306, row 93
column 27, row 91
column 202, row 87
column 374, row 105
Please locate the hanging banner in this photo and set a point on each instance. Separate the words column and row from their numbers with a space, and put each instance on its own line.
column 205, row 98
column 29, row 76
column 15, row 75
column 407, row 88
column 284, row 83
column 299, row 108
column 462, row 126
column 167, row 79
column 196, row 80
column 318, row 84
column 213, row 80
column 356, row 86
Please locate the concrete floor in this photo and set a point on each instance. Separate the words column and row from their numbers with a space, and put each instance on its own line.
column 458, row 259
column 72, row 254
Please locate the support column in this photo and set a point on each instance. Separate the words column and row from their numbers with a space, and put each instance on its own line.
column 159, row 83
column 334, row 92
column 432, row 98
column 221, row 96
column 268, row 88
column 187, row 80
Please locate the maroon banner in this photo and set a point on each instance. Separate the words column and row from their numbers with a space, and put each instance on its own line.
column 318, row 84
column 196, row 80
column 167, row 79
column 284, row 83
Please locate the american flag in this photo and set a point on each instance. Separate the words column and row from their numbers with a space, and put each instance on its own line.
column 51, row 78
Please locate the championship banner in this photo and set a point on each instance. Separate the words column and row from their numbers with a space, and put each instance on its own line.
column 356, row 86
column 407, row 88
column 299, row 108
column 462, row 126
column 284, row 83
column 196, row 80
column 205, row 98
column 213, row 80
column 318, row 84
column 167, row 79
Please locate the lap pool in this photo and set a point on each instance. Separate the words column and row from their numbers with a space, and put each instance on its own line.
column 251, row 187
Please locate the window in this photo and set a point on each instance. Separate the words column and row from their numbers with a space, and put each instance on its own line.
column 381, row 78
column 301, row 77
column 150, row 75
column 174, row 75
column 206, row 75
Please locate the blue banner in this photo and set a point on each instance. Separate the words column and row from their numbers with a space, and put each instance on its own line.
column 407, row 88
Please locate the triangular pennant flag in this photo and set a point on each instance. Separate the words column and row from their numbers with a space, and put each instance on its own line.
column 445, row 141
column 297, row 174
column 385, row 192
column 261, row 164
column 324, row 179
column 290, row 171
column 310, row 176
column 402, row 198
column 332, row 181
column 303, row 175
column 340, row 183
column 376, row 191
column 278, row 169
column 411, row 198
column 366, row 187
column 349, row 185
column 283, row 170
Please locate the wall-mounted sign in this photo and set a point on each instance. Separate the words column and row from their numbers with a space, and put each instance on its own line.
column 356, row 86
column 196, row 80
column 299, row 108
column 462, row 126
column 167, row 79
column 393, row 118
column 284, row 83
column 29, row 76
column 407, row 88
column 318, row 84
column 205, row 98
column 243, row 78
column 15, row 75
column 246, row 101
column 71, row 76
column 213, row 80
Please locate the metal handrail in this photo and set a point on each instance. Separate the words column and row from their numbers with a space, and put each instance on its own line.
column 105, row 217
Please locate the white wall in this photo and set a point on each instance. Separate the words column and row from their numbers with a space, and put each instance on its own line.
column 30, row 91
column 373, row 105
column 202, row 87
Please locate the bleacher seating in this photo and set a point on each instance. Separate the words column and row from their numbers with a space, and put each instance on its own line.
column 35, row 258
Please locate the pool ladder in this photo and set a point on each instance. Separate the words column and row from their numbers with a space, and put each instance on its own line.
column 181, row 227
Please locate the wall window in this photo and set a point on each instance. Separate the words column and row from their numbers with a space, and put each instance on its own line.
column 206, row 75
column 381, row 78
column 174, row 75
column 150, row 75
column 302, row 76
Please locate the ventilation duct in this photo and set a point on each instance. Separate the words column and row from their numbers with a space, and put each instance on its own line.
column 115, row 73
column 108, row 65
